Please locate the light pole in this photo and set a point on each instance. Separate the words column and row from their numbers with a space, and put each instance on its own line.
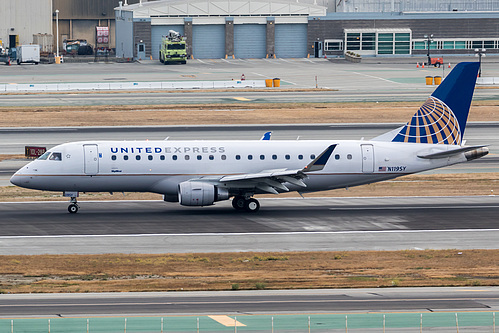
column 57, row 32
column 429, row 39
column 480, row 53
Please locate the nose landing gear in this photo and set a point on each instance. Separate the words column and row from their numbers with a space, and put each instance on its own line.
column 73, row 206
column 248, row 204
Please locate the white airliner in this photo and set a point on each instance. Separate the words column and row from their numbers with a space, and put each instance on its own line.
column 199, row 173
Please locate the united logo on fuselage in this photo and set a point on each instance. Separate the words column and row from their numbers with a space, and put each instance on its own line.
column 167, row 150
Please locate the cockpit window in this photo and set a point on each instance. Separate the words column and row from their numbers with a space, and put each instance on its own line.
column 44, row 156
column 55, row 157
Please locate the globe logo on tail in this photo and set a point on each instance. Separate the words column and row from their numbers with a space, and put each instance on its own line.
column 433, row 123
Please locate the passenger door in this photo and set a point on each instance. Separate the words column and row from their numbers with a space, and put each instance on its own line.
column 91, row 159
column 367, row 158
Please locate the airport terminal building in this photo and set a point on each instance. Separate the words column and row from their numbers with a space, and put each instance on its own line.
column 294, row 29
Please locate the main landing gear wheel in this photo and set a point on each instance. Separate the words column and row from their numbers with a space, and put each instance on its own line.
column 251, row 205
column 73, row 208
column 238, row 202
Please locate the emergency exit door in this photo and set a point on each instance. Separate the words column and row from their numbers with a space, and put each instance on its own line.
column 367, row 158
column 91, row 159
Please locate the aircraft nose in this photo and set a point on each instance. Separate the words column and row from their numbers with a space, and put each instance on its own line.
column 17, row 179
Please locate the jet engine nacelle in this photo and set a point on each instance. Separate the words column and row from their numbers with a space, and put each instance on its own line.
column 200, row 194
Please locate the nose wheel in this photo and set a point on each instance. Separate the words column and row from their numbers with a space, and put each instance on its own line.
column 73, row 206
column 241, row 203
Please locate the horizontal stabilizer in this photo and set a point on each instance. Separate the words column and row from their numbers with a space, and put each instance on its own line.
column 448, row 153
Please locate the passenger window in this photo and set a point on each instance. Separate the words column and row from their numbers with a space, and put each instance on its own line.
column 113, row 157
column 238, row 157
column 199, row 157
column 300, row 157
column 250, row 157
column 211, row 157
column 336, row 157
column 349, row 156
column 187, row 157
column 149, row 157
column 312, row 157
column 137, row 157
column 125, row 157
column 274, row 157
column 174, row 157
column 223, row 157
column 262, row 157
column 287, row 157
column 55, row 157
column 162, row 157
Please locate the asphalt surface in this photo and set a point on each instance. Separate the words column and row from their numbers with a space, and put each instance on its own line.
column 281, row 225
column 372, row 80
column 253, row 302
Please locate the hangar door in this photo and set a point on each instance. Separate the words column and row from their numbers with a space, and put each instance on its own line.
column 250, row 40
column 157, row 33
column 208, row 41
column 291, row 40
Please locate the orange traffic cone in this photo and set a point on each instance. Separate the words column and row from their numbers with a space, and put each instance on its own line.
column 449, row 65
column 417, row 65
column 422, row 65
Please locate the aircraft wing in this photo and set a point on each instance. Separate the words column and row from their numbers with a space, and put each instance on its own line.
column 272, row 180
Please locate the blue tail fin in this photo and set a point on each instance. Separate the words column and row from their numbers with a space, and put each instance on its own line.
column 442, row 118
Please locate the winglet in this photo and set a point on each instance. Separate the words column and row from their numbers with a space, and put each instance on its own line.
column 320, row 161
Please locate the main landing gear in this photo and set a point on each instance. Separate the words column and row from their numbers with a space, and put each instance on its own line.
column 248, row 204
column 73, row 206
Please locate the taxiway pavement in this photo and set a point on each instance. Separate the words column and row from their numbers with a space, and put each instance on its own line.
column 252, row 302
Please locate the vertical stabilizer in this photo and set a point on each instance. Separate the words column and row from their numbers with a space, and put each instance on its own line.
column 442, row 118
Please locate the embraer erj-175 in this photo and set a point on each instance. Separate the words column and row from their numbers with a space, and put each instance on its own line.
column 199, row 173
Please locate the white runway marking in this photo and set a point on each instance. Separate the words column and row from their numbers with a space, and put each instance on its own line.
column 225, row 234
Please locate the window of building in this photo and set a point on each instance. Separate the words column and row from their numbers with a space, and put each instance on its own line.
column 402, row 43
column 368, row 41
column 333, row 45
column 385, row 43
column 353, row 41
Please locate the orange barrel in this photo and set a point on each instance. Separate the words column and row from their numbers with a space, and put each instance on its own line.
column 277, row 82
column 438, row 80
column 268, row 82
column 429, row 80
